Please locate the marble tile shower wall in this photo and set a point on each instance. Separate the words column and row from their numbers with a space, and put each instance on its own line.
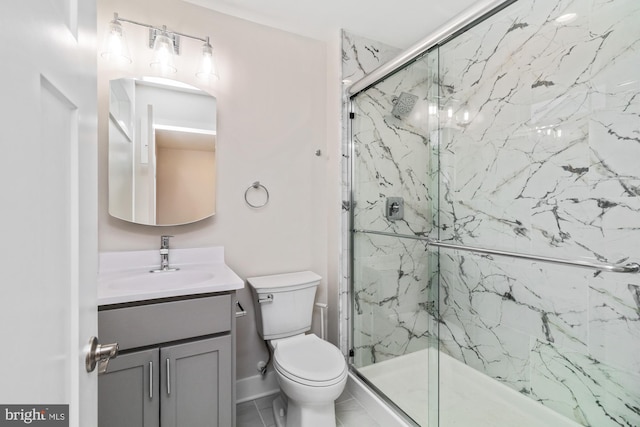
column 391, row 306
column 540, row 141
column 360, row 56
column 393, row 156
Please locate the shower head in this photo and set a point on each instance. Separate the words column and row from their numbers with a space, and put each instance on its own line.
column 403, row 104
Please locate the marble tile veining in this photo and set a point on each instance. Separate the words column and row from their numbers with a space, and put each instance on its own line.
column 542, row 166
column 359, row 57
column 524, row 137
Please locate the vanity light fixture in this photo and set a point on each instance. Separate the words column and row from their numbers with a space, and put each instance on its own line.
column 165, row 45
column 207, row 68
column 163, row 49
column 115, row 43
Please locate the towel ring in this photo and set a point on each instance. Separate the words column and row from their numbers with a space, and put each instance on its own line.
column 257, row 186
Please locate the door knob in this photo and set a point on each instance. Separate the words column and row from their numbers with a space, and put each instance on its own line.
column 100, row 355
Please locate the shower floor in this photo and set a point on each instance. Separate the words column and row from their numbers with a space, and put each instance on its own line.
column 467, row 397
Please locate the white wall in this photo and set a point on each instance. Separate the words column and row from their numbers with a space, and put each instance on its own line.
column 331, row 215
column 120, row 157
column 273, row 115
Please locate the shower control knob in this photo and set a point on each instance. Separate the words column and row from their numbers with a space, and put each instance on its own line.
column 394, row 208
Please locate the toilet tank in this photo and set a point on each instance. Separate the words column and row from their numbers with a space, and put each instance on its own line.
column 284, row 303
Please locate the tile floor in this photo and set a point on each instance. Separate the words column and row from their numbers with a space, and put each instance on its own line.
column 258, row 413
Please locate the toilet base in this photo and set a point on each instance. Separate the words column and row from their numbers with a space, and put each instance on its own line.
column 279, row 412
column 292, row 415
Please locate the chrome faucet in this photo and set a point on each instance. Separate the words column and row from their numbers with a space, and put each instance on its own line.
column 164, row 256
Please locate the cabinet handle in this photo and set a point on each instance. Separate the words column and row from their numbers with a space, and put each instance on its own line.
column 150, row 380
column 168, row 377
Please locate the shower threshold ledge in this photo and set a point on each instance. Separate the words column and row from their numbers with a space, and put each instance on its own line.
column 374, row 405
column 486, row 402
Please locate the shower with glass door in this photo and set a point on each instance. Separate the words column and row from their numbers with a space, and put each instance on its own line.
column 495, row 221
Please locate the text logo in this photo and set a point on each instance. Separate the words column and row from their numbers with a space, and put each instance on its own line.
column 34, row 415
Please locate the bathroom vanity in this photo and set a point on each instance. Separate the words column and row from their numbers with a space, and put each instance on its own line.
column 176, row 361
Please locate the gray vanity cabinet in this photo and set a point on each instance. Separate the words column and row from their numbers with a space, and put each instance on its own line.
column 176, row 367
column 195, row 389
column 128, row 391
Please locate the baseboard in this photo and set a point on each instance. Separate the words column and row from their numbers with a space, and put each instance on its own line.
column 257, row 386
column 376, row 407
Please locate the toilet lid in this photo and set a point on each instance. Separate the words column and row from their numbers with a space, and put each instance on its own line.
column 309, row 358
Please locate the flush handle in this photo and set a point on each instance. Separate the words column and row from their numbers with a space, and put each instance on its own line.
column 265, row 298
column 100, row 355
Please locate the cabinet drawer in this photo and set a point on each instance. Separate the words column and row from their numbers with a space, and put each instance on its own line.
column 143, row 325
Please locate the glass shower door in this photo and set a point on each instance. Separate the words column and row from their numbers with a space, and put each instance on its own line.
column 519, row 134
column 539, row 154
column 394, row 189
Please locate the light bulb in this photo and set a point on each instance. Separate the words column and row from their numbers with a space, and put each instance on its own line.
column 115, row 46
column 207, row 69
column 163, row 54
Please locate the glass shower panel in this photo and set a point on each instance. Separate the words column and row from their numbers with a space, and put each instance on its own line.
column 500, row 338
column 393, row 321
column 540, row 141
column 392, row 148
column 394, row 135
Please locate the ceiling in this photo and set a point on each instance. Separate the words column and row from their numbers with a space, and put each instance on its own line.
column 398, row 23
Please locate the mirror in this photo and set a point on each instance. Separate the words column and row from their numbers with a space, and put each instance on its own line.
column 162, row 151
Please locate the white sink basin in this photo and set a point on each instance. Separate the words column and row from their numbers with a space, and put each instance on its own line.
column 125, row 276
column 161, row 280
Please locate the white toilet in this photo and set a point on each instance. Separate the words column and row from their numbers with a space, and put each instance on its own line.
column 311, row 372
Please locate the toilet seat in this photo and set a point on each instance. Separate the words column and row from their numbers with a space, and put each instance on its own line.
column 308, row 360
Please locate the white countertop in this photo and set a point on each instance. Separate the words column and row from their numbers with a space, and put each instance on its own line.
column 126, row 277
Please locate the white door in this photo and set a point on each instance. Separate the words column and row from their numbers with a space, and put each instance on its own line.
column 48, row 204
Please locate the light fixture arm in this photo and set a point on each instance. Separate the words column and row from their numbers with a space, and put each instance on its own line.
column 205, row 39
column 165, row 45
column 153, row 31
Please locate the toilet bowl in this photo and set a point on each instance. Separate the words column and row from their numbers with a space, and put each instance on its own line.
column 311, row 372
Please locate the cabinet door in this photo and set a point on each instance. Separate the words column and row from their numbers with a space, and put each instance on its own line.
column 196, row 384
column 128, row 391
